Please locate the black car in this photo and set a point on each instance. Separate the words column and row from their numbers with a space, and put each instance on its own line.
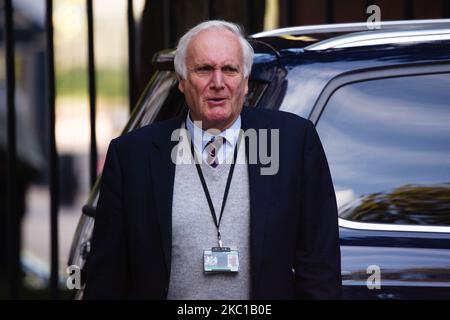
column 380, row 100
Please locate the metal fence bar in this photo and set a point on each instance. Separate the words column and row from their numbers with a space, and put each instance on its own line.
column 209, row 9
column 445, row 9
column 53, row 163
column 286, row 13
column 329, row 13
column 131, row 56
column 13, row 237
column 92, row 92
column 409, row 9
column 249, row 17
column 168, row 23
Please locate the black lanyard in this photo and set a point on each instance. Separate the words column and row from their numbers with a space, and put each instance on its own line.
column 227, row 187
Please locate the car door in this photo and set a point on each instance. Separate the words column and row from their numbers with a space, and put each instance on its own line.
column 386, row 134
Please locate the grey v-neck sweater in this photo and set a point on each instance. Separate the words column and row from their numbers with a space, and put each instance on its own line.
column 193, row 231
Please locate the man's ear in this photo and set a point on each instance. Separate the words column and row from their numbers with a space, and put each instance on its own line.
column 246, row 86
column 181, row 84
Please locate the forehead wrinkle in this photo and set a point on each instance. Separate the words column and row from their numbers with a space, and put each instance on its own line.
column 200, row 51
column 214, row 64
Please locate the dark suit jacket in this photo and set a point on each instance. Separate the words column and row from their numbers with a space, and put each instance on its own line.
column 293, row 225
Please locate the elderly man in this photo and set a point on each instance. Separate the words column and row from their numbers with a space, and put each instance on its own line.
column 216, row 227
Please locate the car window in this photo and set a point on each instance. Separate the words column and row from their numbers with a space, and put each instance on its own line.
column 164, row 90
column 256, row 90
column 304, row 85
column 388, row 146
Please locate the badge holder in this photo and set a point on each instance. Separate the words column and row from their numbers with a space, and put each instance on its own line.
column 221, row 259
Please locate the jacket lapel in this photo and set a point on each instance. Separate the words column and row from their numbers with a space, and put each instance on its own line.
column 163, row 174
column 259, row 194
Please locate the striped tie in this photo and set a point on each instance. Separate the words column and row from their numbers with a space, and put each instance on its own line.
column 211, row 148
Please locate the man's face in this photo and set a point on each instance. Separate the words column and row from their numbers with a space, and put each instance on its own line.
column 215, row 86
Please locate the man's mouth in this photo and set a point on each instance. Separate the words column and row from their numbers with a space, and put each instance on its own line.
column 216, row 100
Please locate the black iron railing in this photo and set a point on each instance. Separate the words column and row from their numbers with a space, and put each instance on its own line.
column 132, row 94
column 13, row 237
column 53, row 163
column 13, row 221
column 92, row 92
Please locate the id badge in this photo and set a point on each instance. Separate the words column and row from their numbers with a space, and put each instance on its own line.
column 219, row 259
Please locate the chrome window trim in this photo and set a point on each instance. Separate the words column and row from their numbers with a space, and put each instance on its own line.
column 382, row 37
column 390, row 227
column 348, row 27
column 396, row 283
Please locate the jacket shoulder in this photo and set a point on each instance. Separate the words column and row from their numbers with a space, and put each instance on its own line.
column 138, row 139
column 146, row 133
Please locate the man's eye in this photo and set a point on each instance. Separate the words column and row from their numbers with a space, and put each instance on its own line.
column 203, row 69
column 230, row 70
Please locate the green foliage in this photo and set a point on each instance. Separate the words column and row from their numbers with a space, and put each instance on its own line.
column 109, row 83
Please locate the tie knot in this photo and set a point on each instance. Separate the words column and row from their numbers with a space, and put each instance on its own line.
column 216, row 141
column 211, row 148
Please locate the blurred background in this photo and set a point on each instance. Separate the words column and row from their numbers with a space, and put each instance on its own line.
column 124, row 35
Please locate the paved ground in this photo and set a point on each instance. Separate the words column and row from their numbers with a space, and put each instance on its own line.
column 36, row 227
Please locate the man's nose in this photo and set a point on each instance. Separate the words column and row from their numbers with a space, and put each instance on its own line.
column 217, row 80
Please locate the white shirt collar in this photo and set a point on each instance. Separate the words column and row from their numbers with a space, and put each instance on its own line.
column 231, row 134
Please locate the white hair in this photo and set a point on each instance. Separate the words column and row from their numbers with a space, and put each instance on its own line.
column 181, row 52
